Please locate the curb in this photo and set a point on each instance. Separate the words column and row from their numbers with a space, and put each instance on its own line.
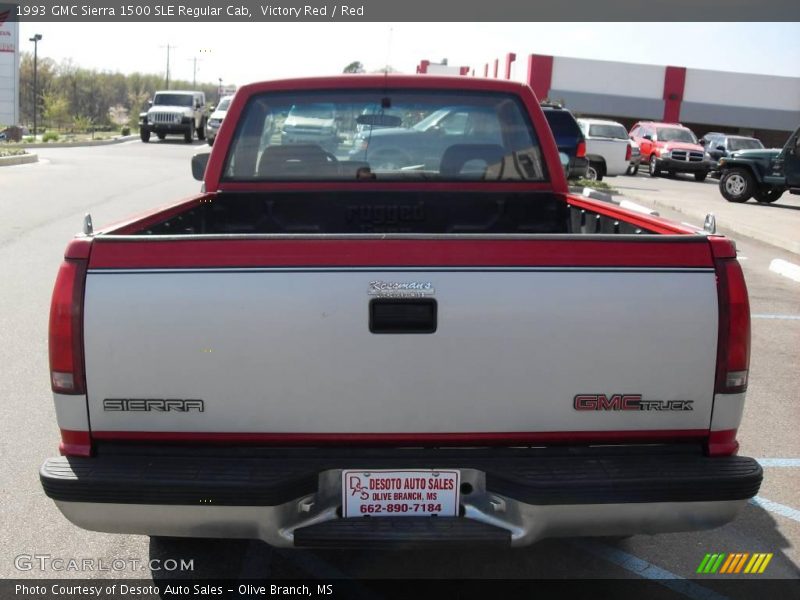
column 20, row 159
column 732, row 226
column 117, row 140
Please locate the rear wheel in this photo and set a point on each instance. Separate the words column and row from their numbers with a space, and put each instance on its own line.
column 144, row 134
column 701, row 176
column 201, row 132
column 652, row 167
column 187, row 135
column 594, row 172
column 632, row 169
column 736, row 185
column 765, row 196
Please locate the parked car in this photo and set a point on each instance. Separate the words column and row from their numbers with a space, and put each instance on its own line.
column 421, row 145
column 175, row 112
column 318, row 358
column 636, row 158
column 671, row 148
column 761, row 174
column 215, row 120
column 569, row 138
column 608, row 148
column 311, row 124
column 719, row 145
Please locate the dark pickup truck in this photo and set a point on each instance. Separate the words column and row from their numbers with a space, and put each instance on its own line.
column 761, row 174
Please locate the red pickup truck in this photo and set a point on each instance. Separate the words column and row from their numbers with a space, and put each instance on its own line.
column 327, row 347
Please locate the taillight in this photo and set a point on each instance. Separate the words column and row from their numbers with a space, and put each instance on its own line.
column 628, row 153
column 66, row 329
column 733, row 351
column 581, row 149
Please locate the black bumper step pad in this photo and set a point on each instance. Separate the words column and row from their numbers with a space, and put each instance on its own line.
column 527, row 477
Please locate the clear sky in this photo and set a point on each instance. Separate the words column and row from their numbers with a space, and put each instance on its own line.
column 243, row 52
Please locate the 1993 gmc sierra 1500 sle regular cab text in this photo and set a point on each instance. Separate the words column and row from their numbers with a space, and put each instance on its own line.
column 322, row 351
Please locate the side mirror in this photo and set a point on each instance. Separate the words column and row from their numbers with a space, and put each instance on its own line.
column 199, row 162
column 212, row 108
column 702, row 141
column 149, row 103
column 648, row 137
column 721, row 148
column 797, row 145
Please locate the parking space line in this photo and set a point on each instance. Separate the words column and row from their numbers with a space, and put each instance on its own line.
column 785, row 268
column 648, row 570
column 779, row 462
column 318, row 568
column 787, row 317
column 777, row 508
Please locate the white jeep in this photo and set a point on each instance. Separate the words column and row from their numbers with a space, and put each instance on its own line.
column 173, row 111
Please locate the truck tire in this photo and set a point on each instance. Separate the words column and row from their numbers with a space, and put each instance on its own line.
column 201, row 133
column 595, row 171
column 632, row 170
column 144, row 134
column 736, row 185
column 188, row 134
column 766, row 196
column 701, row 177
column 652, row 167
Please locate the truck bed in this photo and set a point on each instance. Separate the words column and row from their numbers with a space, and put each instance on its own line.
column 294, row 338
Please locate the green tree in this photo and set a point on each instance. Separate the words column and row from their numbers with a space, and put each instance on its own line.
column 354, row 67
column 56, row 110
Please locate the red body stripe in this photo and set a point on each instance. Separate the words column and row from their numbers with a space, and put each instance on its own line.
column 395, row 439
column 75, row 443
column 195, row 253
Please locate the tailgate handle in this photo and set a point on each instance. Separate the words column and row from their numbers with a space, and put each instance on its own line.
column 402, row 315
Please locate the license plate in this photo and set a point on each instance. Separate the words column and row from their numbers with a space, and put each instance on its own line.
column 409, row 493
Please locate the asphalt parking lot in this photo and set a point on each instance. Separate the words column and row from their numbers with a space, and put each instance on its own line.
column 45, row 207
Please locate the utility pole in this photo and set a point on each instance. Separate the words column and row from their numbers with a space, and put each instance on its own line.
column 35, row 39
column 194, row 72
column 168, row 47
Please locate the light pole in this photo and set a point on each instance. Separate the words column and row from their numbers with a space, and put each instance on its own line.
column 219, row 91
column 35, row 39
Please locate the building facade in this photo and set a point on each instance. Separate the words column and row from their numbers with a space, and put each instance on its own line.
column 9, row 66
column 764, row 106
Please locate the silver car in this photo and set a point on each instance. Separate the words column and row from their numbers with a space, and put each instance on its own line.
column 215, row 120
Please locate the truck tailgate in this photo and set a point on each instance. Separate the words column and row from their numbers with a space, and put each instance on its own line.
column 286, row 353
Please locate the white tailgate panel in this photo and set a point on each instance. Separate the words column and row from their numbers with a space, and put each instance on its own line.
column 291, row 351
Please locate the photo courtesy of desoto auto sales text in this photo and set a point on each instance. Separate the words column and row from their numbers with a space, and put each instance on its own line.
column 381, row 301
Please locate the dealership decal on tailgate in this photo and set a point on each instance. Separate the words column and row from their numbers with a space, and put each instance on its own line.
column 400, row 493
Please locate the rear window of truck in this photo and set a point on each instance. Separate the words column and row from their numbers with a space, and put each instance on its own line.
column 384, row 135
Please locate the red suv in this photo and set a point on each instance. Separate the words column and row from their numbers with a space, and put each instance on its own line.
column 671, row 147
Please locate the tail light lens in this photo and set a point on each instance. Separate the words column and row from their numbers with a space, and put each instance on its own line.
column 581, row 149
column 628, row 153
column 733, row 351
column 66, row 329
